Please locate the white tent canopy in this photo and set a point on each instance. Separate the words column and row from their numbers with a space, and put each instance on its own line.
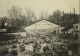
column 42, row 27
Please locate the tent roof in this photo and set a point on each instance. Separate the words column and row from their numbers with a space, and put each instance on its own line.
column 42, row 22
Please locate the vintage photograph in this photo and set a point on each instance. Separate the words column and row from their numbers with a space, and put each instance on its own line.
column 39, row 28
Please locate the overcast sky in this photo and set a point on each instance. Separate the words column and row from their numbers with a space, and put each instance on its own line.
column 40, row 5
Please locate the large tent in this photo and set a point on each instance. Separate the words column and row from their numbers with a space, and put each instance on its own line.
column 42, row 27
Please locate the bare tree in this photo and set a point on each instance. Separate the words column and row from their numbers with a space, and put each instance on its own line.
column 15, row 12
column 19, row 18
column 43, row 15
column 55, row 17
column 30, row 14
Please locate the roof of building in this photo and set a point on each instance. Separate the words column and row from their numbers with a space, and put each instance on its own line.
column 42, row 25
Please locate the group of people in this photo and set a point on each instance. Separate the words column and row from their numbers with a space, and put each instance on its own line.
column 42, row 49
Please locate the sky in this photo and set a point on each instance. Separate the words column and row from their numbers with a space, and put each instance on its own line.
column 40, row 5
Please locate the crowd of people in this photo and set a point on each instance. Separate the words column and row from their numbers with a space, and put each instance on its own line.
column 47, row 47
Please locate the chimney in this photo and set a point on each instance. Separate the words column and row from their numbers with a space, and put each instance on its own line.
column 70, row 15
column 63, row 12
column 74, row 11
column 74, row 14
column 79, row 11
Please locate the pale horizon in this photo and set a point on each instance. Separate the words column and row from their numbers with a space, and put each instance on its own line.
column 48, row 6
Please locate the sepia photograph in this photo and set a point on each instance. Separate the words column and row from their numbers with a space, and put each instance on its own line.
column 39, row 27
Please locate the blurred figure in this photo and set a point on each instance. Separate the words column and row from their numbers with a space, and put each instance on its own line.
column 36, row 48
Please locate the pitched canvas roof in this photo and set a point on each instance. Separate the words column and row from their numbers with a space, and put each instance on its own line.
column 42, row 25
